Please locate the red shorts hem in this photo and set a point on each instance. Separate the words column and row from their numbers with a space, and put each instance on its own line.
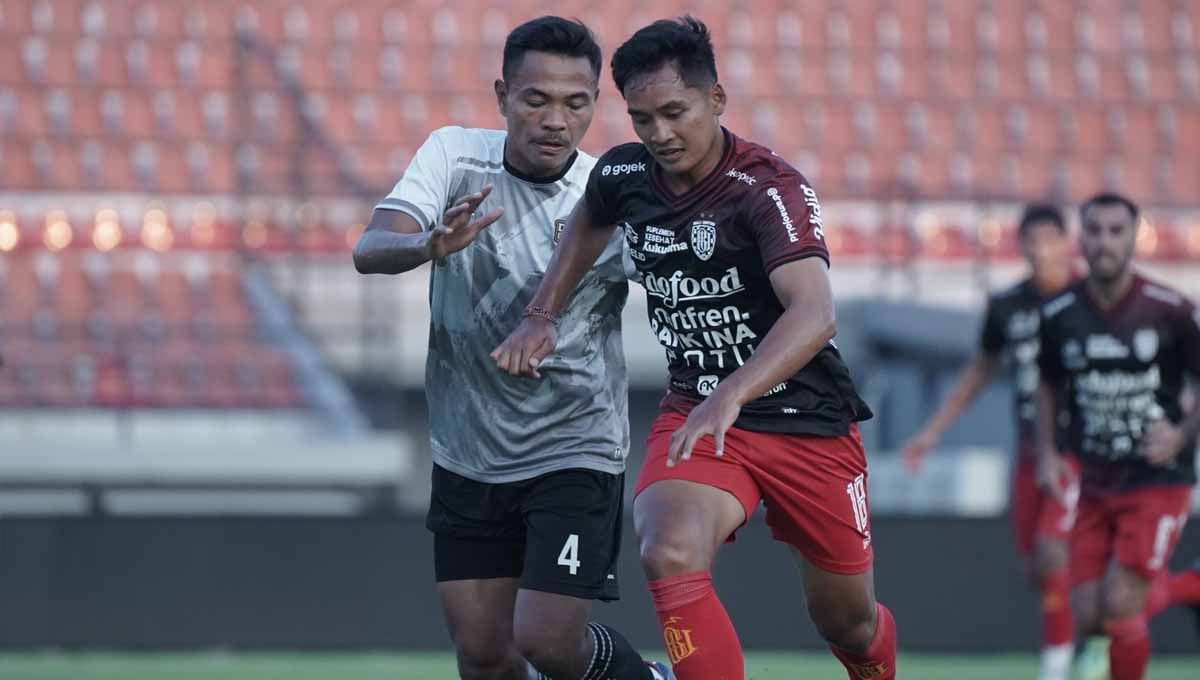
column 814, row 488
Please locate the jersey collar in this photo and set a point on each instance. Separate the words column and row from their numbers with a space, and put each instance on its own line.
column 549, row 179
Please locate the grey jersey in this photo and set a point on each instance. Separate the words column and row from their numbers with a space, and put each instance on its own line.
column 485, row 424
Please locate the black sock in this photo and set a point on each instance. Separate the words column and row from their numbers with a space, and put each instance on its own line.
column 613, row 657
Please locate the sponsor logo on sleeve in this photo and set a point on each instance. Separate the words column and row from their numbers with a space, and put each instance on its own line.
column 814, row 210
column 784, row 216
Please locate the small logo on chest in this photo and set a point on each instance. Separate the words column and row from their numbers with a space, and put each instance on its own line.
column 559, row 226
column 1145, row 344
column 704, row 238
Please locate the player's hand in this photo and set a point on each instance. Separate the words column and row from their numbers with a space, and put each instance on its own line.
column 1054, row 476
column 1161, row 442
column 460, row 225
column 916, row 449
column 524, row 349
column 714, row 416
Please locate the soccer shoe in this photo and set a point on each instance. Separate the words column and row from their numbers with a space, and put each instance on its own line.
column 660, row 670
column 1092, row 663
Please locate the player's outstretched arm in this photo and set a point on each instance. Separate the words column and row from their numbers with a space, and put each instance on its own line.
column 394, row 242
column 535, row 337
column 971, row 380
column 1052, row 472
column 806, row 325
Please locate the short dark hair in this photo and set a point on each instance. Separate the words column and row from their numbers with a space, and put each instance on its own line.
column 555, row 35
column 1041, row 212
column 684, row 42
column 1110, row 198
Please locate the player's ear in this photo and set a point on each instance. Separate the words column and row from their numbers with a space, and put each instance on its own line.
column 717, row 97
column 501, row 96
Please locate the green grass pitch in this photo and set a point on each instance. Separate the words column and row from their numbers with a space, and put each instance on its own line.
column 434, row 666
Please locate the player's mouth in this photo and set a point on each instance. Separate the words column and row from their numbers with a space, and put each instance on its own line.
column 669, row 155
column 550, row 147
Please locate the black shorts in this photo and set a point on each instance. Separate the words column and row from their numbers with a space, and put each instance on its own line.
column 557, row 533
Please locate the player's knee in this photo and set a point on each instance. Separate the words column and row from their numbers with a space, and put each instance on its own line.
column 481, row 658
column 851, row 628
column 664, row 556
column 550, row 650
column 1049, row 557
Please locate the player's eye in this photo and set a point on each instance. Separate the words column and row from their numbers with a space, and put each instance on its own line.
column 535, row 103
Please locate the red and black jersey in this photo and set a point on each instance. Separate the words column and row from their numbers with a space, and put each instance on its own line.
column 705, row 257
column 1010, row 333
column 1115, row 371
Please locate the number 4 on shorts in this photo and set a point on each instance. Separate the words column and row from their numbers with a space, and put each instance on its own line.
column 569, row 557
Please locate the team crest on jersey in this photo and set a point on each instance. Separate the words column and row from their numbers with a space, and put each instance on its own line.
column 1145, row 344
column 559, row 226
column 704, row 238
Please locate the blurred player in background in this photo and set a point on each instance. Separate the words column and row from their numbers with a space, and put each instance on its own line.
column 1116, row 349
column 1010, row 334
column 729, row 240
column 528, row 476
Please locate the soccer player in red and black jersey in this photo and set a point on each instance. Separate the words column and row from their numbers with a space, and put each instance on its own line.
column 1010, row 336
column 1116, row 350
column 729, row 240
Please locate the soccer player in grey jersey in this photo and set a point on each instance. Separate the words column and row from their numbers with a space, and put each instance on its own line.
column 528, row 474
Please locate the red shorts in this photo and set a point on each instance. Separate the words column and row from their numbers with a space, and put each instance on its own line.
column 814, row 488
column 1036, row 513
column 1138, row 529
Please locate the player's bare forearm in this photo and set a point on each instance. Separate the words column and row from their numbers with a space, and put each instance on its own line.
column 971, row 381
column 582, row 242
column 386, row 252
column 392, row 243
column 1044, row 405
column 807, row 324
column 1189, row 427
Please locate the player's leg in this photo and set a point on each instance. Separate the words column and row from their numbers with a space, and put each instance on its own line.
column 860, row 632
column 1090, row 547
column 681, row 525
column 815, row 490
column 1148, row 524
column 479, row 614
column 1049, row 566
column 573, row 529
column 683, row 514
column 478, row 548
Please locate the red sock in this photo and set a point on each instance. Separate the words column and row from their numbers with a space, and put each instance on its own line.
column 1058, row 625
column 1129, row 649
column 700, row 639
column 1184, row 588
column 879, row 661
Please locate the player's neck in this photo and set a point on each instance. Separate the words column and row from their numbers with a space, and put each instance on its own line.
column 1051, row 282
column 684, row 182
column 1108, row 293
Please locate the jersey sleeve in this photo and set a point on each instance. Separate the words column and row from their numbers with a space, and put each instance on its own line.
column 784, row 217
column 1189, row 338
column 599, row 203
column 1049, row 350
column 424, row 190
column 991, row 336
